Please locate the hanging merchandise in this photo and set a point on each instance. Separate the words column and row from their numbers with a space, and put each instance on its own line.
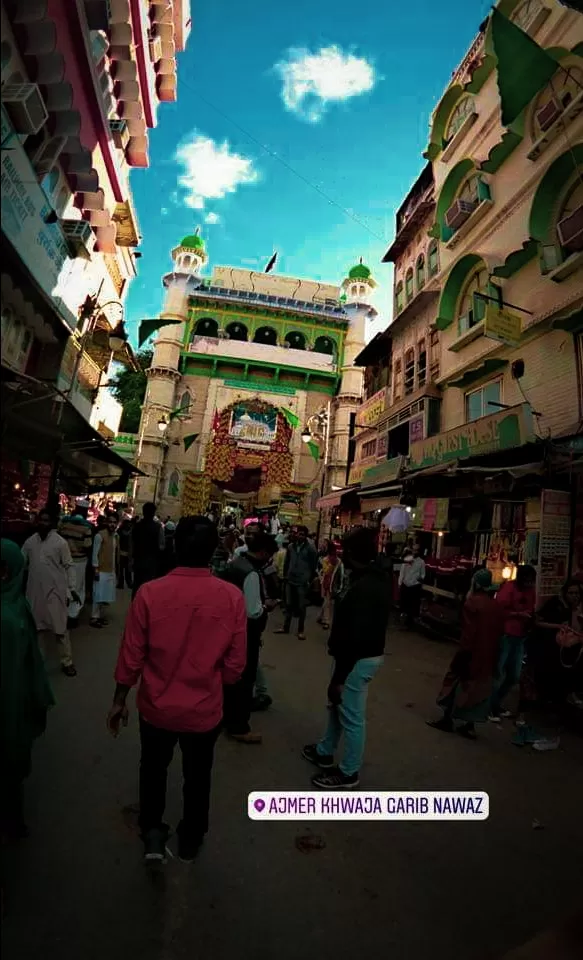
column 430, row 514
column 441, row 515
column 397, row 520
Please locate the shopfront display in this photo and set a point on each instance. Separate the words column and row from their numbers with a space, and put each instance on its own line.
column 555, row 542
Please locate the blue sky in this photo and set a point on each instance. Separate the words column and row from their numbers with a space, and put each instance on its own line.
column 340, row 92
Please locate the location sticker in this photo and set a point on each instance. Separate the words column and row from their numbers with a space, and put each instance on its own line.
column 368, row 805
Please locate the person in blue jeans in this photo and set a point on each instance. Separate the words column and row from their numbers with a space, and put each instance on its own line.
column 357, row 645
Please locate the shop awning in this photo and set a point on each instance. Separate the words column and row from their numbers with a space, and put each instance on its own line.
column 372, row 504
column 381, row 488
column 449, row 467
column 41, row 424
column 334, row 498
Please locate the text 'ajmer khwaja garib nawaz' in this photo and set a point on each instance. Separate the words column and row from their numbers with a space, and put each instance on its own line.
column 246, row 367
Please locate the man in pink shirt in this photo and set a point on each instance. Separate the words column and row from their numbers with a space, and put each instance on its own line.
column 518, row 600
column 185, row 636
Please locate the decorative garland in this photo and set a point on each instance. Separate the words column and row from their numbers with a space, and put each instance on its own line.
column 197, row 488
column 224, row 455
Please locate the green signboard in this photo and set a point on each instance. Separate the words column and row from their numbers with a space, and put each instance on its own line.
column 505, row 430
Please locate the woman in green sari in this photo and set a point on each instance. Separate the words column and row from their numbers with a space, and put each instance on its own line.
column 25, row 693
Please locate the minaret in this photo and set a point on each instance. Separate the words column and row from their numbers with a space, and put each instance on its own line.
column 357, row 287
column 163, row 376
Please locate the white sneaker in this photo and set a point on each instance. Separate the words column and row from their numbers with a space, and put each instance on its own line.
column 494, row 718
column 506, row 714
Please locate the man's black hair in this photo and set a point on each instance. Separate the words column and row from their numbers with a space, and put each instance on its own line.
column 149, row 511
column 361, row 545
column 195, row 540
column 303, row 529
column 264, row 542
column 525, row 573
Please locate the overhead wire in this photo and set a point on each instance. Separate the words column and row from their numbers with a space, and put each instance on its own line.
column 288, row 166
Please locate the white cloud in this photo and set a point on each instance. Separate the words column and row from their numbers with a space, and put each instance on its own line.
column 212, row 218
column 312, row 81
column 210, row 170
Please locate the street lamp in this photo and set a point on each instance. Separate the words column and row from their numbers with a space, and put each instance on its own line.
column 162, row 425
column 306, row 435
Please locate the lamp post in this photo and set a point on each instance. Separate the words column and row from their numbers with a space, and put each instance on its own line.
column 317, row 429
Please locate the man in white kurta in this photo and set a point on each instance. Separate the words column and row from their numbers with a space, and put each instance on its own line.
column 78, row 533
column 104, row 561
column 50, row 586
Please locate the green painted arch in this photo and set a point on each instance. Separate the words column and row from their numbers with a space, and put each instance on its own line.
column 453, row 287
column 544, row 204
column 450, row 187
column 440, row 118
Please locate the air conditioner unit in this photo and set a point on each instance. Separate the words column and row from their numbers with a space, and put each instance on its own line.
column 79, row 235
column 120, row 133
column 155, row 45
column 570, row 231
column 25, row 107
column 45, row 157
column 459, row 212
column 547, row 115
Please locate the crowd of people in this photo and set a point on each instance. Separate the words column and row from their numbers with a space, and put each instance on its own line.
column 203, row 591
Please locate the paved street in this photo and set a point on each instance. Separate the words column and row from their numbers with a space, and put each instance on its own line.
column 77, row 890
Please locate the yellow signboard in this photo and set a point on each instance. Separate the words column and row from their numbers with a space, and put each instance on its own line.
column 357, row 470
column 502, row 325
column 369, row 412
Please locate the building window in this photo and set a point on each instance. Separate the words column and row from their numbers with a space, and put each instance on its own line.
column 397, row 381
column 483, row 402
column 565, row 238
column 420, row 272
column 409, row 285
column 399, row 297
column 471, row 310
column 433, row 258
column 369, row 449
column 324, row 345
column 185, row 402
column 409, row 371
column 421, row 364
column 266, row 335
column 458, row 117
column 206, row 327
column 174, row 484
column 525, row 14
column 565, row 86
column 237, row 331
column 296, row 340
column 434, row 365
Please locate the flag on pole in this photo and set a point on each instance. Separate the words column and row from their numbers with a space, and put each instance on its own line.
column 314, row 449
column 290, row 417
column 523, row 67
column 148, row 327
column 189, row 440
column 271, row 263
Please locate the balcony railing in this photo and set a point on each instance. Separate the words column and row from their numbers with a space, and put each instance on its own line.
column 263, row 352
column 334, row 312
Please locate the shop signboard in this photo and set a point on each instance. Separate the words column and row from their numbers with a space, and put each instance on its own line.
column 358, row 470
column 502, row 325
column 25, row 210
column 382, row 446
column 505, row 430
column 554, row 543
column 383, row 472
column 369, row 412
column 417, row 428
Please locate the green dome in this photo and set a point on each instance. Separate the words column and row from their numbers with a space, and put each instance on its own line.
column 359, row 272
column 193, row 241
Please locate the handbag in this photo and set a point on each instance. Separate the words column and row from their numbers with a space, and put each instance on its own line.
column 566, row 639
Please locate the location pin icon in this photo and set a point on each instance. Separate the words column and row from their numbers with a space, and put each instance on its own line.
column 259, row 805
